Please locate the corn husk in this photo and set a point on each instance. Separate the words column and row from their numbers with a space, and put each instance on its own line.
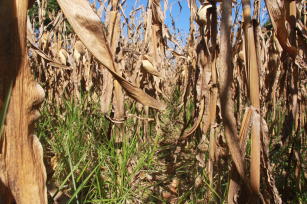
column 150, row 68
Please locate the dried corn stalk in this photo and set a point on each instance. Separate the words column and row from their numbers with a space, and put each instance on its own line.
column 114, row 32
column 227, row 102
column 253, row 85
column 22, row 171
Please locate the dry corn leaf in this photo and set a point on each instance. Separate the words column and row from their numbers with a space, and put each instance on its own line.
column 278, row 19
column 30, row 32
column 51, row 61
column 244, row 128
column 197, row 122
column 266, row 166
column 89, row 29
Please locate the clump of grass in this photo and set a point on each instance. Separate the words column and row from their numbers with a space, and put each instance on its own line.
column 90, row 166
column 87, row 165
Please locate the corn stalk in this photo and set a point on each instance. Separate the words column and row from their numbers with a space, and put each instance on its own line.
column 22, row 173
column 226, row 78
column 253, row 84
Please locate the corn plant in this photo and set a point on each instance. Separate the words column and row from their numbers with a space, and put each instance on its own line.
column 148, row 113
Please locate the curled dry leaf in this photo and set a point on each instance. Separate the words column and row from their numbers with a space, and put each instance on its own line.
column 197, row 122
column 51, row 61
column 278, row 18
column 89, row 29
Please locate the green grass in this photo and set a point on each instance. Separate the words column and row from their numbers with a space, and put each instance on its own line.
column 92, row 166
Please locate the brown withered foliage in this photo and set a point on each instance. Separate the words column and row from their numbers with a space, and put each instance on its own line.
column 234, row 75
